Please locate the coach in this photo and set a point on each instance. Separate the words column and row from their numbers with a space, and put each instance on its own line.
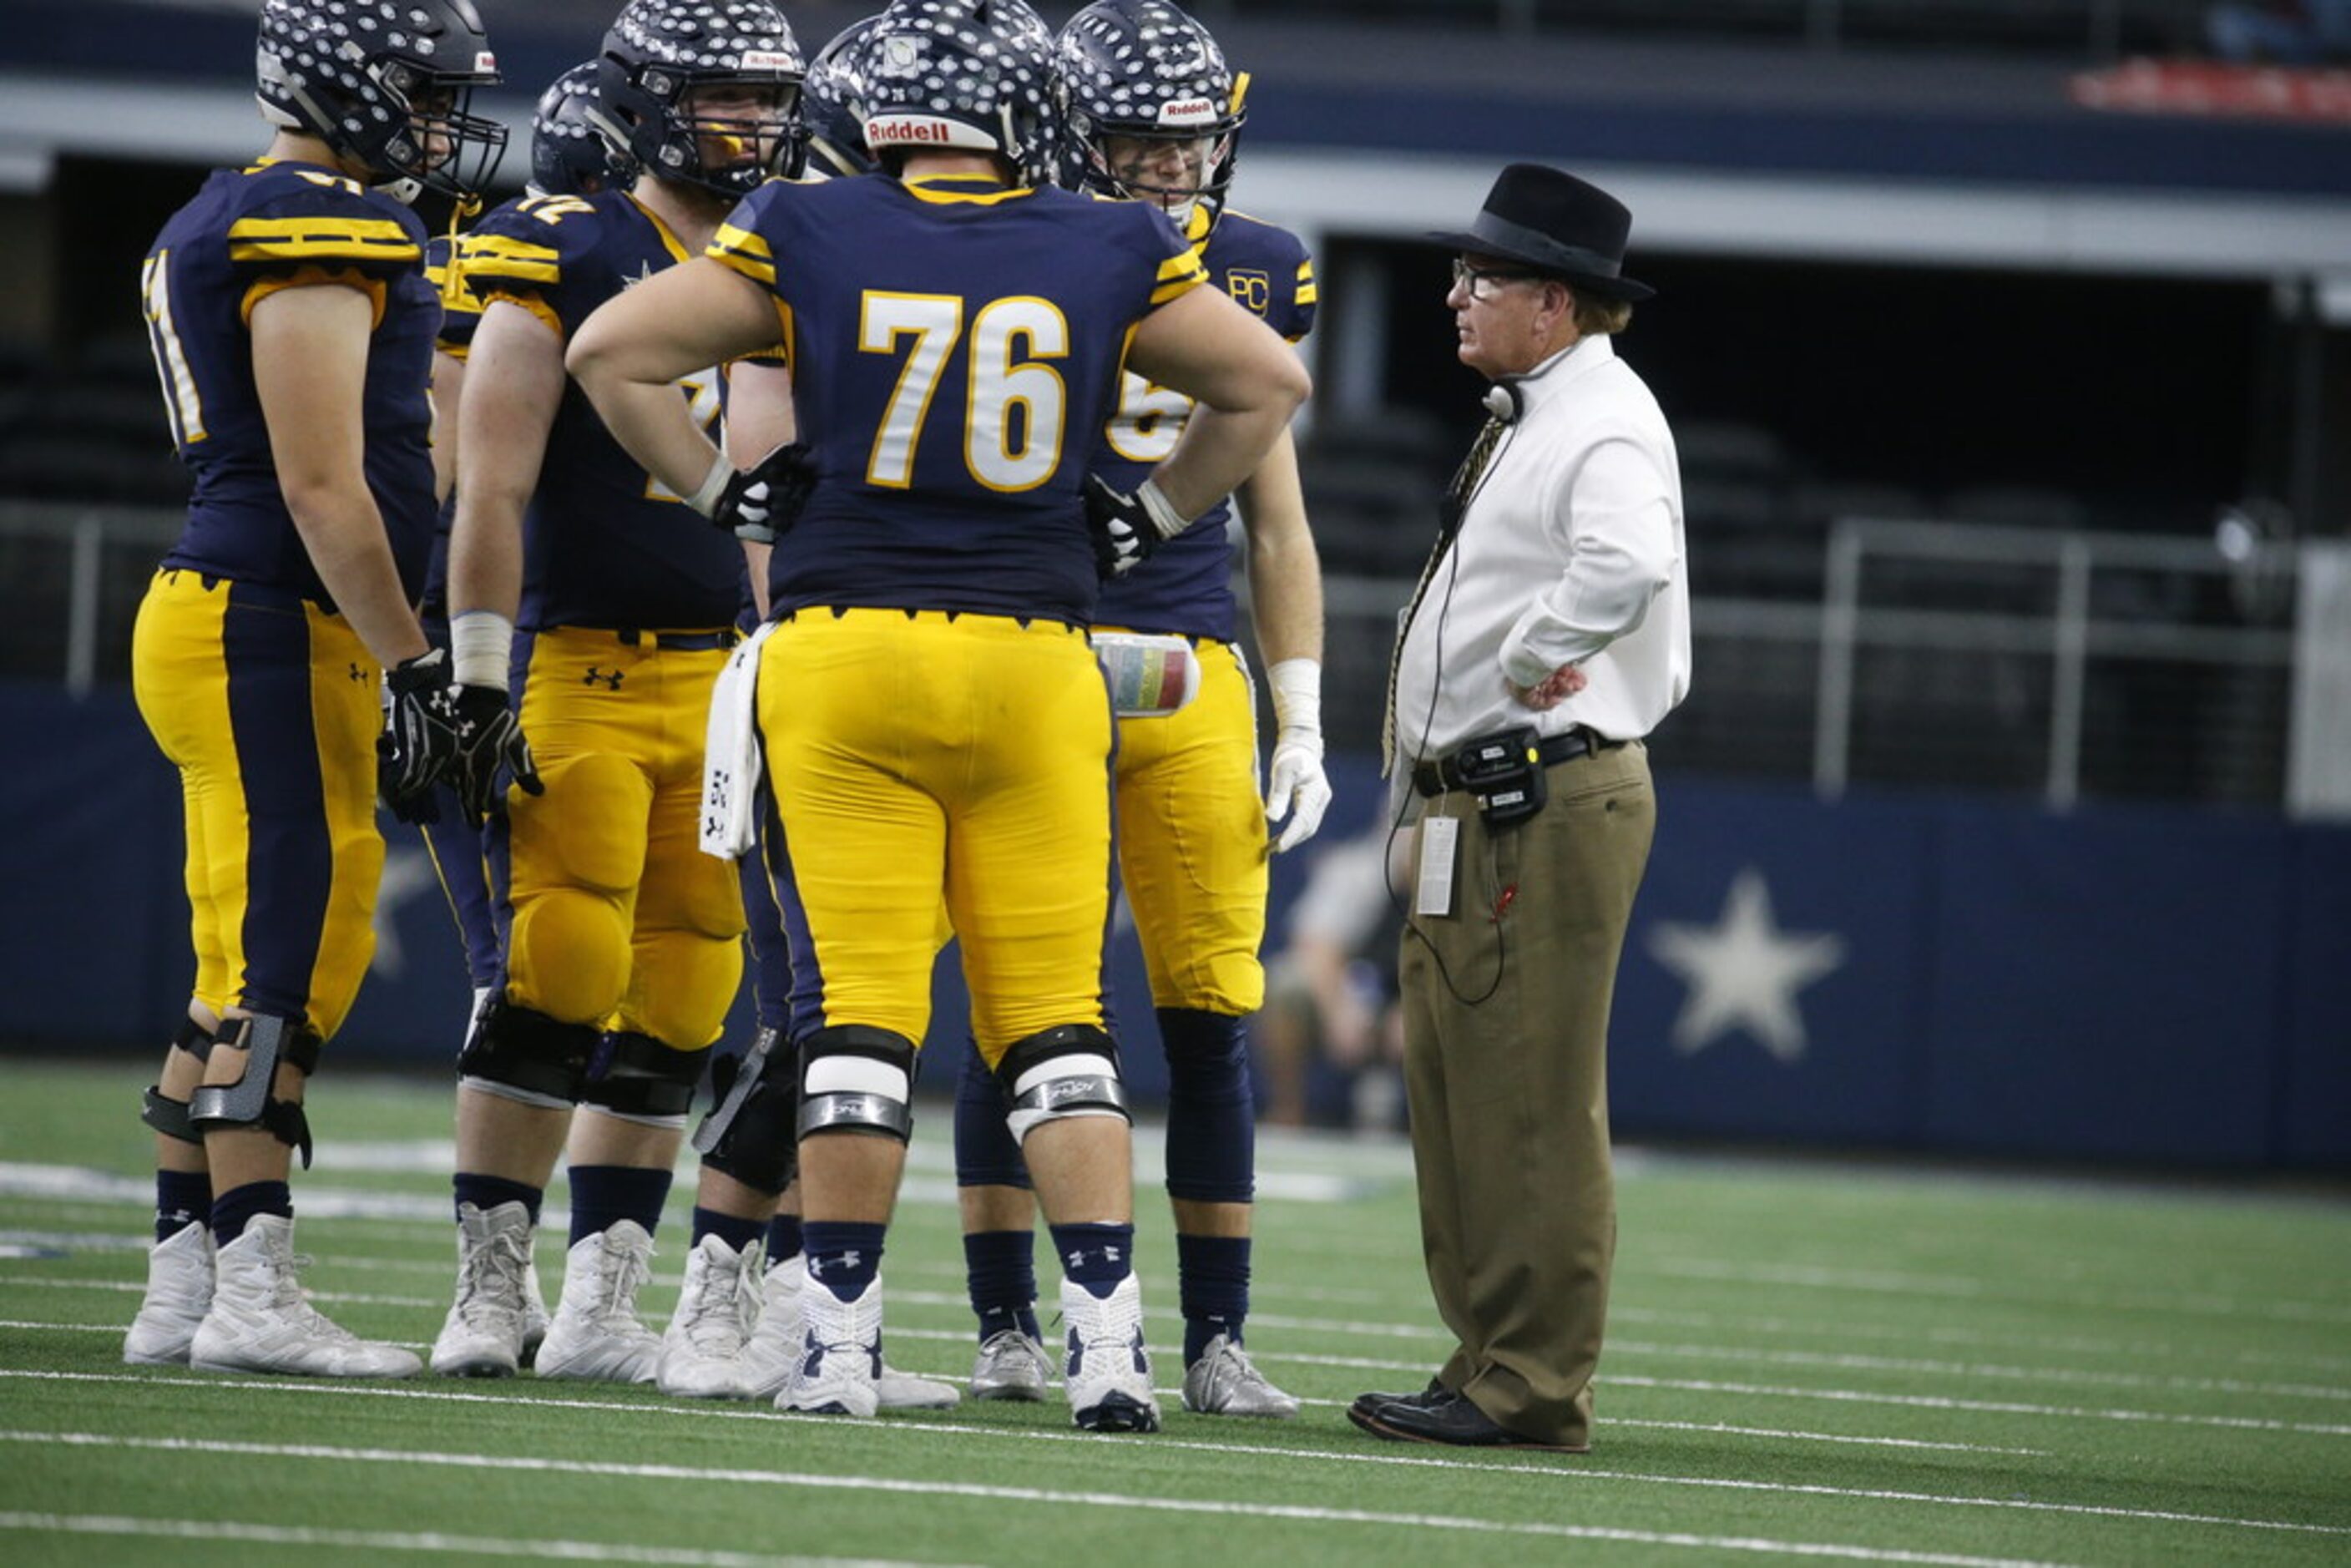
column 1548, row 636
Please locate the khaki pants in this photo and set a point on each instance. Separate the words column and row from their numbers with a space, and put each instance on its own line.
column 1507, row 1071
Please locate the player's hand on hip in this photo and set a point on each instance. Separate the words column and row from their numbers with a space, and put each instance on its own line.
column 489, row 740
column 766, row 499
column 1127, row 526
column 420, row 742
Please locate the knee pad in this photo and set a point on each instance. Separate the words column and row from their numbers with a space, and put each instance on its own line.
column 521, row 1054
column 1061, row 1072
column 251, row 1101
column 748, row 1134
column 638, row 1079
column 855, row 1078
column 160, row 1110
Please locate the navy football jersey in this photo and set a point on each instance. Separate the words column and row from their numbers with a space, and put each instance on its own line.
column 461, row 312
column 1186, row 585
column 248, row 233
column 955, row 348
column 606, row 544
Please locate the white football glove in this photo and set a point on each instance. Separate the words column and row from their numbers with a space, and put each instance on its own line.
column 1295, row 788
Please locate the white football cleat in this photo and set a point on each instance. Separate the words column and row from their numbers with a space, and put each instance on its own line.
column 534, row 1302
column 1225, row 1382
column 1107, row 1373
column 483, row 1332
column 1011, row 1365
column 260, row 1322
column 702, row 1353
column 595, row 1333
column 778, row 1342
column 179, row 1294
column 840, row 1370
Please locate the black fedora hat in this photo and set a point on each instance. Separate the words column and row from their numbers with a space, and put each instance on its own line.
column 1557, row 224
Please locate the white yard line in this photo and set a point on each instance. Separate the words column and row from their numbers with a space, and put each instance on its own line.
column 1024, row 1497
column 1964, row 1287
column 430, row 1541
column 1540, row 1469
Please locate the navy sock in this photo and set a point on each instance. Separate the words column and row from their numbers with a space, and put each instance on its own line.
column 783, row 1238
column 739, row 1234
column 603, row 1195
column 487, row 1192
column 842, row 1255
column 182, row 1198
column 231, row 1208
column 1000, row 1269
column 1212, row 1281
column 1095, row 1256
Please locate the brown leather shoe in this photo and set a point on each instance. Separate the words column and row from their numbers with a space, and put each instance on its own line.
column 1454, row 1421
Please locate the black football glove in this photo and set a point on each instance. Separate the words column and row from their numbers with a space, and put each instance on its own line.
column 489, row 737
column 766, row 499
column 1126, row 526
column 420, row 741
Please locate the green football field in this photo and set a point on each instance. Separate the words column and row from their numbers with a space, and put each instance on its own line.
column 1851, row 1361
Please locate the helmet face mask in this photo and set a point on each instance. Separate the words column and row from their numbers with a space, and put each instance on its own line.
column 1155, row 112
column 569, row 154
column 967, row 75
column 387, row 84
column 705, row 93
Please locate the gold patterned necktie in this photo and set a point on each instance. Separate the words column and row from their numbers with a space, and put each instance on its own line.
column 1458, row 496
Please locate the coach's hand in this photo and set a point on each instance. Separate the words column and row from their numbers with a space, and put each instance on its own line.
column 489, row 737
column 764, row 500
column 1127, row 526
column 420, row 741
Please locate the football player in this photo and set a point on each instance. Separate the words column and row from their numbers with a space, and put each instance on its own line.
column 1157, row 115
column 622, row 943
column 935, row 726
column 293, row 331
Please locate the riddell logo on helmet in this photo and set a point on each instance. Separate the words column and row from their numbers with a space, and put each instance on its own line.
column 485, row 64
column 768, row 60
column 908, row 129
column 1187, row 111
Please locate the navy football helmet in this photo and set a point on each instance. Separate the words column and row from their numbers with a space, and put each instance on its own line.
column 832, row 102
column 976, row 75
column 657, row 53
column 569, row 154
column 1144, row 72
column 387, row 83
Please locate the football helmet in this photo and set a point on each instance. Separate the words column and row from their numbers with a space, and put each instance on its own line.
column 658, row 53
column 1143, row 71
column 976, row 75
column 569, row 154
column 832, row 102
column 388, row 83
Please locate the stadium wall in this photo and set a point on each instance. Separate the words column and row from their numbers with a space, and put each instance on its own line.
column 2138, row 985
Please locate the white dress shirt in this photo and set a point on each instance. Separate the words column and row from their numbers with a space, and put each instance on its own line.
column 1571, row 552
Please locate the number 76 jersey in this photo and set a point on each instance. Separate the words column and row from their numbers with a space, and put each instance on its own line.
column 956, row 348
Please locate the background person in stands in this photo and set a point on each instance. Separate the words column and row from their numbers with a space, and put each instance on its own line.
column 2292, row 33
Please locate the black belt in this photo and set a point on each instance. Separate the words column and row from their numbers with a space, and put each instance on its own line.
column 1434, row 779
column 681, row 642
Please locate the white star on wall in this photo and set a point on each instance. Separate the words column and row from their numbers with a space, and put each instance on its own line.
column 1744, row 972
column 406, row 873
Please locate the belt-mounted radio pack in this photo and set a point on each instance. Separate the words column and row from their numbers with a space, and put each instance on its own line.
column 1504, row 772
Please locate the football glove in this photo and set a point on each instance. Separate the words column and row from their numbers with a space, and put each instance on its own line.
column 420, row 741
column 489, row 737
column 1128, row 525
column 763, row 501
column 1296, row 787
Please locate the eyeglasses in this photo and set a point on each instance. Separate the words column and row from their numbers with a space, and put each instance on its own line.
column 1474, row 279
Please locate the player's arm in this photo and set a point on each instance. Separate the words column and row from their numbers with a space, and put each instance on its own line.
column 627, row 356
column 514, row 387
column 309, row 368
column 448, row 394
column 760, row 419
column 1244, row 380
column 1286, row 599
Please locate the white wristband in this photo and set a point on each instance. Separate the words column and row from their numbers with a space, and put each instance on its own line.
column 1160, row 510
column 1297, row 698
column 714, row 485
column 481, row 646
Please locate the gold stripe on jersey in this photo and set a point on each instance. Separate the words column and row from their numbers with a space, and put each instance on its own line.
column 378, row 241
column 530, row 302
column 747, row 252
column 313, row 277
column 670, row 242
column 1178, row 275
column 490, row 258
column 1306, row 287
column 940, row 189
